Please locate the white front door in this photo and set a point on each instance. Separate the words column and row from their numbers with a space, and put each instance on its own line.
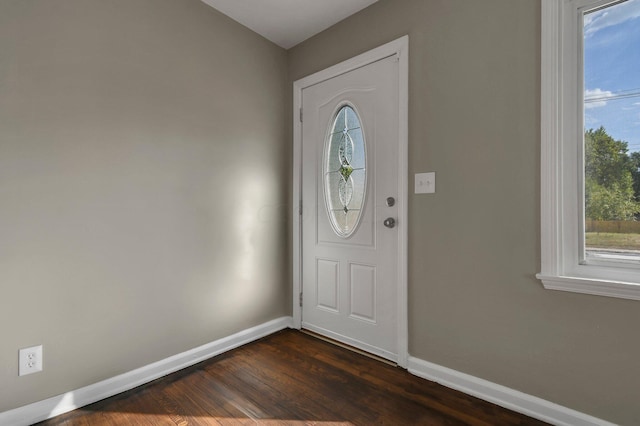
column 350, row 195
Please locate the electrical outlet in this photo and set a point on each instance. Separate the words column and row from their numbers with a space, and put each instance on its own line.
column 30, row 360
column 425, row 183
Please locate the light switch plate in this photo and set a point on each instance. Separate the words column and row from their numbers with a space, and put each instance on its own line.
column 425, row 183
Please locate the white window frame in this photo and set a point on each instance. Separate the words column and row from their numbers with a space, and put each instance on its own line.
column 562, row 186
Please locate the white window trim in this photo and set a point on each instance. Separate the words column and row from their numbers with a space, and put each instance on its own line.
column 561, row 128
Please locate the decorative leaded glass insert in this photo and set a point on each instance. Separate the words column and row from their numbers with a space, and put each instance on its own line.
column 345, row 174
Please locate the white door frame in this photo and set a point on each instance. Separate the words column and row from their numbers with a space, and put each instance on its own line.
column 400, row 48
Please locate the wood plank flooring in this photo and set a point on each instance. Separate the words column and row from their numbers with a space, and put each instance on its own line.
column 291, row 378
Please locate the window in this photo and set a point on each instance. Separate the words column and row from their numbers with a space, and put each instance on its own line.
column 590, row 117
column 611, row 52
column 345, row 172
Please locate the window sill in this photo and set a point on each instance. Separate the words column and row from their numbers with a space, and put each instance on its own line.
column 622, row 290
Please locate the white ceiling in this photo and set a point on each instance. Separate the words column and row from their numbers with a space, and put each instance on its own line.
column 288, row 22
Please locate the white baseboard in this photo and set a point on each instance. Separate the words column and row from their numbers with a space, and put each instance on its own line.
column 503, row 396
column 69, row 401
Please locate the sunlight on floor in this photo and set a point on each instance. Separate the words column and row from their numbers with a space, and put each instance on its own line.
column 152, row 419
column 224, row 421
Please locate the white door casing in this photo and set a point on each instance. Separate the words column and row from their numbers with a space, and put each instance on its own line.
column 355, row 288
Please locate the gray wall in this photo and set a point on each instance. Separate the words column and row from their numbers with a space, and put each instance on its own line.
column 475, row 305
column 143, row 177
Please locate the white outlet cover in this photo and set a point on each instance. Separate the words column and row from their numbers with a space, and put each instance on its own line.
column 425, row 183
column 30, row 360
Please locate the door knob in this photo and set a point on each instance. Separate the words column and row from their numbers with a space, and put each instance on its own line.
column 389, row 222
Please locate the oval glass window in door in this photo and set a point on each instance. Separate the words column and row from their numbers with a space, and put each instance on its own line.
column 345, row 172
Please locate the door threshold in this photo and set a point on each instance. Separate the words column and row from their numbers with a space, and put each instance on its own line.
column 348, row 347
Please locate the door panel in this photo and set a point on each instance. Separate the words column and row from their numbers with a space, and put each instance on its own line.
column 363, row 292
column 349, row 279
column 327, row 284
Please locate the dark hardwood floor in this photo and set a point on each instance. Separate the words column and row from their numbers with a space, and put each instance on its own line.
column 291, row 378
